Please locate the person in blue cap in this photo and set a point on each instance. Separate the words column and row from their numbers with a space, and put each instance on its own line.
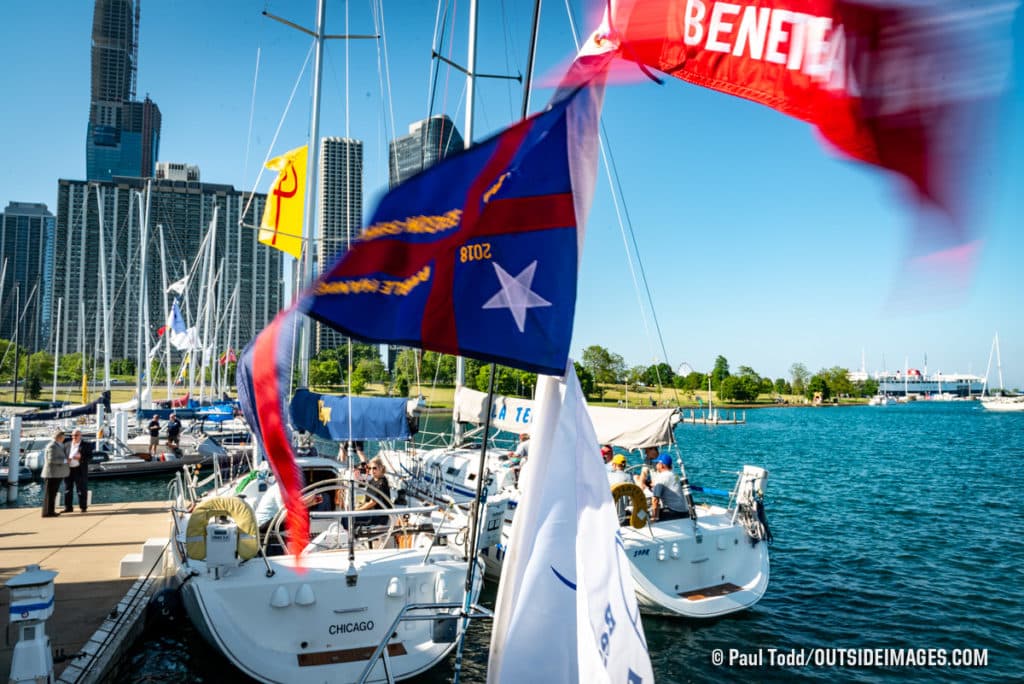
column 667, row 501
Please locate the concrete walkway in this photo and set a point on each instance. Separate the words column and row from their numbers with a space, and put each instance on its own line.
column 86, row 550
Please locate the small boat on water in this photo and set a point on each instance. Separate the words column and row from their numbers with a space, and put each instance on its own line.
column 713, row 562
column 1006, row 404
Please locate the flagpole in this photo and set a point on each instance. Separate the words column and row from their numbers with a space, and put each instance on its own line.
column 474, row 521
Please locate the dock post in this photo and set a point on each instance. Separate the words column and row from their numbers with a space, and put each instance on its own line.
column 14, row 459
column 31, row 605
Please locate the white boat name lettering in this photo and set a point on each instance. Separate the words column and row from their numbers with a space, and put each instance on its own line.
column 345, row 628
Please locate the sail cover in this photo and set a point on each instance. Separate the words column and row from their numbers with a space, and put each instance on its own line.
column 328, row 416
column 626, row 428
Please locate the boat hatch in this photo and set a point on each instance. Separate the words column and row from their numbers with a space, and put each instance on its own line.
column 710, row 592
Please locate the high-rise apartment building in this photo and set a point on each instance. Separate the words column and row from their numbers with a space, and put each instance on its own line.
column 340, row 213
column 428, row 140
column 26, row 262
column 248, row 273
column 123, row 136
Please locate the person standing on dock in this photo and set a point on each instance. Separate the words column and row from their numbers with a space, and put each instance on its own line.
column 79, row 454
column 173, row 431
column 154, row 435
column 55, row 469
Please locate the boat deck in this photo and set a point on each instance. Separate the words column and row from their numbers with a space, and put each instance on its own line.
column 85, row 549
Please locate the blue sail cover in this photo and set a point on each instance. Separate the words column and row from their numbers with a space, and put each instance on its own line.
column 327, row 416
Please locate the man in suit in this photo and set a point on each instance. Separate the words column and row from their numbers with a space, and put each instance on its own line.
column 55, row 469
column 79, row 454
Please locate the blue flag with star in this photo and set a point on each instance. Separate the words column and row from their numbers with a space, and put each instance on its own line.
column 478, row 255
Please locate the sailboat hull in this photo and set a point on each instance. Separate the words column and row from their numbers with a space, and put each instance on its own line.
column 313, row 626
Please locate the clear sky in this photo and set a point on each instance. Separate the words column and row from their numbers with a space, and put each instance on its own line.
column 757, row 244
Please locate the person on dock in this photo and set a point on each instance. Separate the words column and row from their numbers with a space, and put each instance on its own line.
column 154, row 435
column 173, row 431
column 55, row 469
column 79, row 454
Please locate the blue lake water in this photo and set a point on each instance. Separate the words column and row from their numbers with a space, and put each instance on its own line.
column 895, row 527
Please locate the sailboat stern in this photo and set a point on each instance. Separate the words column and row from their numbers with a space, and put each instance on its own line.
column 315, row 624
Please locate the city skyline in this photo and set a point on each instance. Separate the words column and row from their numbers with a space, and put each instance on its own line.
column 757, row 243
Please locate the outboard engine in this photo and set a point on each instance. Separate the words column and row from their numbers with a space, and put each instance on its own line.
column 221, row 546
column 750, row 503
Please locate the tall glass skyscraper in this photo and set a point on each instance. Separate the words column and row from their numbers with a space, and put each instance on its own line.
column 26, row 243
column 428, row 140
column 123, row 136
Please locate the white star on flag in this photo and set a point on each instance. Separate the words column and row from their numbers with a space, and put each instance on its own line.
column 515, row 294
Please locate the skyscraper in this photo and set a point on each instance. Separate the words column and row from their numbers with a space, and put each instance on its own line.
column 428, row 140
column 26, row 245
column 123, row 136
column 184, row 210
column 340, row 204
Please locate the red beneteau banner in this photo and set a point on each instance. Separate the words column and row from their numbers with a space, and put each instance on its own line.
column 895, row 86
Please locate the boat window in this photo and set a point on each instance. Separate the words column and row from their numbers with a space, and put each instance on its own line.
column 452, row 471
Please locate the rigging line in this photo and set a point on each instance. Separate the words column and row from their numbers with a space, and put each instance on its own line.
column 252, row 115
column 384, row 76
column 277, row 132
column 610, row 170
column 440, row 21
column 640, row 264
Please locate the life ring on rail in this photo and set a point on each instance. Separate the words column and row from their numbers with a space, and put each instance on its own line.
column 639, row 517
column 234, row 508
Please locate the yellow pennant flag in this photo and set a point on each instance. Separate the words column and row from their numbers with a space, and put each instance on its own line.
column 281, row 227
column 85, row 388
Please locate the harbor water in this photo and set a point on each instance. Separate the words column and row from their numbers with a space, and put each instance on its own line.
column 895, row 528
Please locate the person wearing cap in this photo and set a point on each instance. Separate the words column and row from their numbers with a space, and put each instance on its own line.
column 618, row 473
column 667, row 499
column 606, row 455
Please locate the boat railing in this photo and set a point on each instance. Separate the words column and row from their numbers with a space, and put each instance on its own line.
column 441, row 611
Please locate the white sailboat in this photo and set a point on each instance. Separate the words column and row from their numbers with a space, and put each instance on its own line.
column 1001, row 402
column 711, row 564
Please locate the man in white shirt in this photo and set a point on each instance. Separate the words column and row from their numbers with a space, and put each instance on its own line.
column 79, row 453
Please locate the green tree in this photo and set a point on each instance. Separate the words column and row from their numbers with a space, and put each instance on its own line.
column 720, row 372
column 868, row 388
column 40, row 364
column 838, row 380
column 818, row 383
column 586, row 378
column 373, row 369
column 606, row 367
column 70, row 368
column 694, row 381
column 325, row 372
column 799, row 374
column 782, row 387
column 659, row 375
column 403, row 387
column 358, row 384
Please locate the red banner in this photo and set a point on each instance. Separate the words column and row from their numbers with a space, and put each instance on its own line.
column 895, row 86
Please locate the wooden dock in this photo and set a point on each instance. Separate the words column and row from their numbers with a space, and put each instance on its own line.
column 712, row 417
column 85, row 549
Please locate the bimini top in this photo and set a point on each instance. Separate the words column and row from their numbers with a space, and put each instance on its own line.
column 626, row 428
column 327, row 416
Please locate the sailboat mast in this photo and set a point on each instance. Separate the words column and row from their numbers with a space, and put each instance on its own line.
column 141, row 344
column 56, row 348
column 104, row 306
column 163, row 288
column 310, row 229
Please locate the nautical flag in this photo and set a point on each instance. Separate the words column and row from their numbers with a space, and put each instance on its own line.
column 565, row 578
column 263, row 379
column 178, row 286
column 282, row 217
column 478, row 255
column 905, row 87
column 228, row 357
column 182, row 338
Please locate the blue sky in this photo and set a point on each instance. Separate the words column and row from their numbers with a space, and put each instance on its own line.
column 757, row 243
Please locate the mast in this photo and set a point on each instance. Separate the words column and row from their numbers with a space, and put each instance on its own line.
column 312, row 153
column 104, row 302
column 56, row 348
column 17, row 336
column 141, row 344
column 163, row 289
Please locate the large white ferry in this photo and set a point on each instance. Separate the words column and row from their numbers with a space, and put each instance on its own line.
column 913, row 382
